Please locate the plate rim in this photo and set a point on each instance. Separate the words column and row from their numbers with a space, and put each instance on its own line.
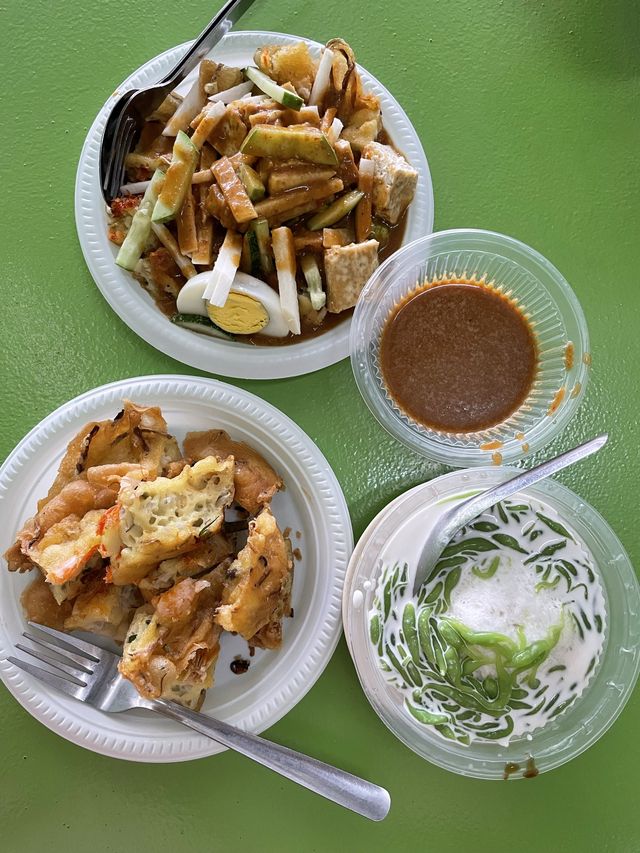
column 338, row 529
column 255, row 363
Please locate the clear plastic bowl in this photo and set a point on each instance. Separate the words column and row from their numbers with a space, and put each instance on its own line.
column 541, row 292
column 571, row 732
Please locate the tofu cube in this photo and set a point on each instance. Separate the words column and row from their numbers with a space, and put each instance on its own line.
column 347, row 270
column 394, row 181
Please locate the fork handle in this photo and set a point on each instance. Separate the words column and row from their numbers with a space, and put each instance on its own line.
column 341, row 787
column 208, row 38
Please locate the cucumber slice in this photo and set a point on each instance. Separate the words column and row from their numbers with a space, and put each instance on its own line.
column 198, row 323
column 251, row 249
column 140, row 227
column 380, row 232
column 177, row 179
column 252, row 183
column 336, row 211
column 273, row 90
column 260, row 227
column 313, row 278
column 290, row 143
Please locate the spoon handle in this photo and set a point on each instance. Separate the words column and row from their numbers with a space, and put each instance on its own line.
column 473, row 507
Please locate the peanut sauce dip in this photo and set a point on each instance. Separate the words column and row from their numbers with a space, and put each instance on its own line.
column 458, row 357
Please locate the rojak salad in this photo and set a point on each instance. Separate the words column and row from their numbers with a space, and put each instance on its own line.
column 505, row 634
column 257, row 206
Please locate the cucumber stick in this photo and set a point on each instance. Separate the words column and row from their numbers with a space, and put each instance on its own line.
column 297, row 142
column 312, row 276
column 184, row 158
column 260, row 228
column 251, row 182
column 336, row 211
column 198, row 323
column 273, row 90
column 140, row 227
column 251, row 262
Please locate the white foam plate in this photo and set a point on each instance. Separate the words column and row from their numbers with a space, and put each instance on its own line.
column 137, row 309
column 312, row 503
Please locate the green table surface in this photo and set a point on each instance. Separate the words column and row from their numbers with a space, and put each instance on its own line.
column 528, row 112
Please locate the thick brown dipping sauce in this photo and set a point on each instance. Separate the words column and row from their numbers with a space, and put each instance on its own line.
column 458, row 357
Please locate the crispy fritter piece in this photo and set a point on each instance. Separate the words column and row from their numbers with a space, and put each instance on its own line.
column 137, row 434
column 163, row 518
column 171, row 648
column 40, row 605
column 76, row 499
column 288, row 64
column 104, row 609
column 229, row 133
column 270, row 635
column 258, row 581
column 207, row 554
column 346, row 93
column 136, row 440
column 255, row 480
column 68, row 547
column 120, row 217
column 216, row 77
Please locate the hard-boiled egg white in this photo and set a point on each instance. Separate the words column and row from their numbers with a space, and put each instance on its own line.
column 251, row 308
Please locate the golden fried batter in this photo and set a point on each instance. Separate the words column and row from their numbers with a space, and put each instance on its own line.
column 255, row 480
column 166, row 517
column 209, row 552
column 258, row 581
column 171, row 650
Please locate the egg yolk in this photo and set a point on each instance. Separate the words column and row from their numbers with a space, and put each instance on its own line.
column 240, row 314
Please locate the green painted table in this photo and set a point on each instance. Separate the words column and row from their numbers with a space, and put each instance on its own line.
column 529, row 117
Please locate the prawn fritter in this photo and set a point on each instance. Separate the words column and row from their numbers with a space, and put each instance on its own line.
column 103, row 608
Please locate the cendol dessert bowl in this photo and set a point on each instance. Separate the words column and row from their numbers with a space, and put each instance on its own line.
column 521, row 648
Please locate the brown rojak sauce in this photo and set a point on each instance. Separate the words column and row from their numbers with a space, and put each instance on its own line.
column 239, row 666
column 458, row 356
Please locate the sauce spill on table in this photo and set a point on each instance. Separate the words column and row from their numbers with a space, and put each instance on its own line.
column 509, row 768
column 569, row 352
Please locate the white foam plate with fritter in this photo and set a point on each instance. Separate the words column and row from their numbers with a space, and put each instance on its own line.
column 312, row 504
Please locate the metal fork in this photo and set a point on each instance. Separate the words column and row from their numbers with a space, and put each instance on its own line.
column 130, row 111
column 90, row 674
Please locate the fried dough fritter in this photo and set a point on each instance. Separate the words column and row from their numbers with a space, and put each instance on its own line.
column 255, row 480
column 258, row 582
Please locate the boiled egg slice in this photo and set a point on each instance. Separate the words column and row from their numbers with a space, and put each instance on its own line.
column 252, row 307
